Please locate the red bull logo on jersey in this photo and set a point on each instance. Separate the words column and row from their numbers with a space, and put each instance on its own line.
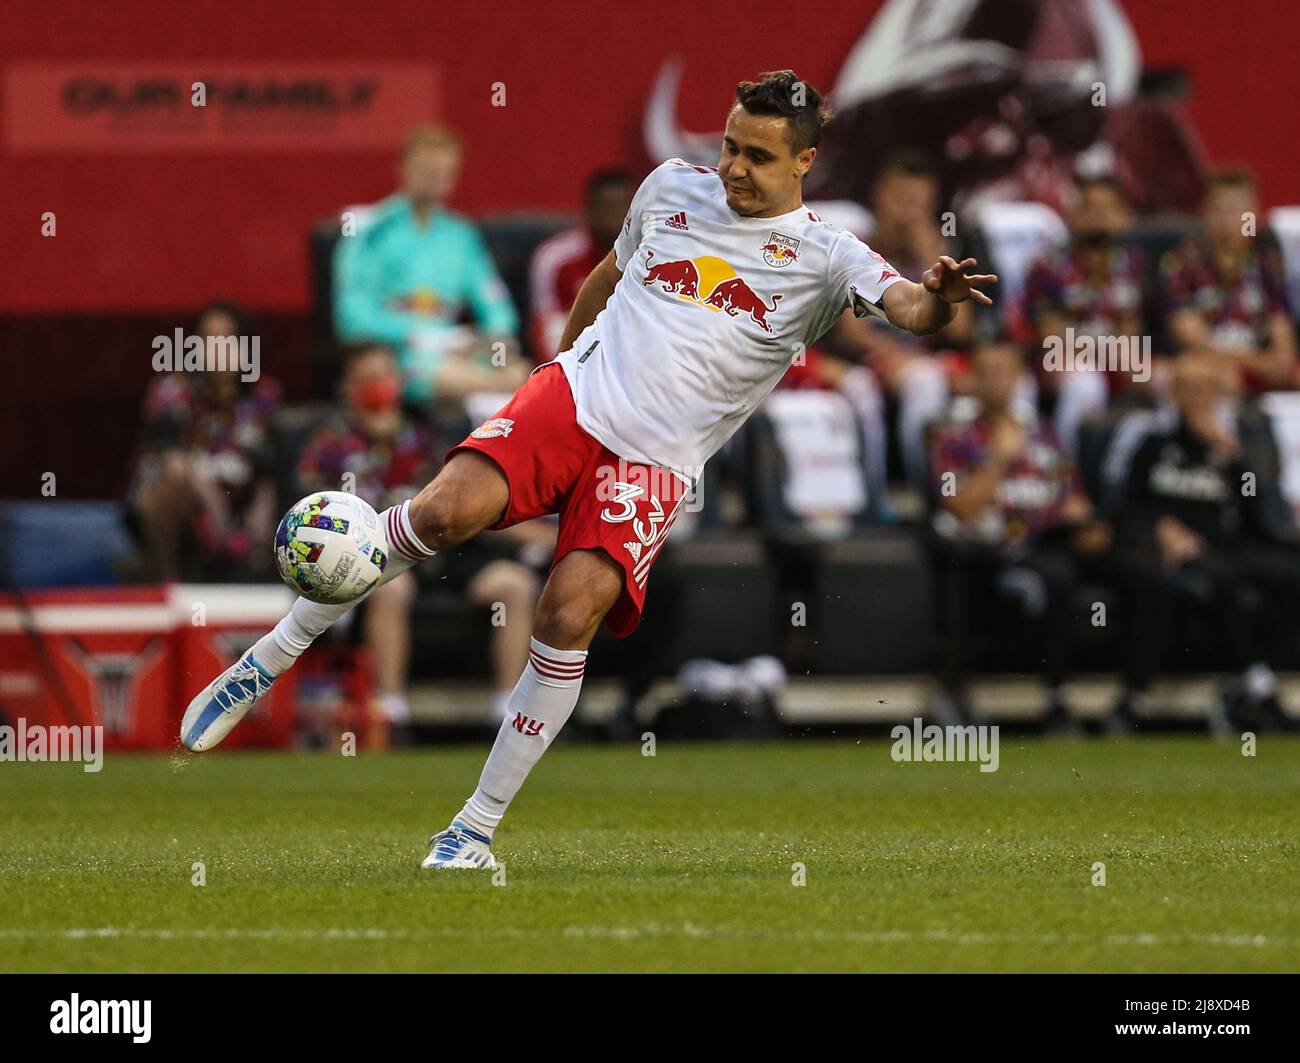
column 711, row 283
column 678, row 278
column 780, row 250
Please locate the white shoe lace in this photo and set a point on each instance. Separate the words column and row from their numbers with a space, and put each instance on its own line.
column 454, row 844
column 236, row 691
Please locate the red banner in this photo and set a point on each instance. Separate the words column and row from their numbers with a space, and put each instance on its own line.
column 215, row 106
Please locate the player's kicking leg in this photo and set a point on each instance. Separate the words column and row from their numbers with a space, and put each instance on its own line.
column 468, row 495
column 582, row 588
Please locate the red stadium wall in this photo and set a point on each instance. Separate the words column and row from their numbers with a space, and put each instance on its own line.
column 162, row 232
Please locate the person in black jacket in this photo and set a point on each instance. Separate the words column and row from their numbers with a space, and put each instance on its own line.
column 1203, row 528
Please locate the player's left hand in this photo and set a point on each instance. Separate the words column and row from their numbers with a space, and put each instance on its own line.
column 949, row 280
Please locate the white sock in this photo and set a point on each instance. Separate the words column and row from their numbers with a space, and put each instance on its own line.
column 541, row 704
column 277, row 650
column 501, row 704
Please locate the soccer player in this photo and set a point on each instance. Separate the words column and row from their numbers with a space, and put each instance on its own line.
column 718, row 279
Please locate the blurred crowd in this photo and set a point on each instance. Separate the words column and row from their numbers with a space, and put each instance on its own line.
column 1150, row 470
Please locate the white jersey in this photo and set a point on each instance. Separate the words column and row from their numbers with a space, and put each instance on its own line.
column 712, row 308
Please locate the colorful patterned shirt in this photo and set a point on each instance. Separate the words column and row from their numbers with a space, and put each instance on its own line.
column 1238, row 311
column 232, row 442
column 1058, row 284
column 1027, row 503
column 384, row 471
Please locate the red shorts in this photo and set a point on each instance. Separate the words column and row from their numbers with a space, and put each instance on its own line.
column 605, row 503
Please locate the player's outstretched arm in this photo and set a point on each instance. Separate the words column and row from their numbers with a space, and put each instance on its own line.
column 592, row 297
column 927, row 307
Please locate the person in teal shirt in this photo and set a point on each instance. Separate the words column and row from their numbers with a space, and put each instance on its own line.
column 411, row 269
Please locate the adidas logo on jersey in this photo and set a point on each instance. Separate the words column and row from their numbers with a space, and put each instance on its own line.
column 678, row 221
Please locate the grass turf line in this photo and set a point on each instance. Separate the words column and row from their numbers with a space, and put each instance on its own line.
column 680, row 862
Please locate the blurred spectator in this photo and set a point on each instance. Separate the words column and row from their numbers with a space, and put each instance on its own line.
column 1225, row 291
column 389, row 458
column 414, row 270
column 1092, row 287
column 1203, row 525
column 905, row 199
column 560, row 265
column 202, row 498
column 831, row 370
column 1016, row 522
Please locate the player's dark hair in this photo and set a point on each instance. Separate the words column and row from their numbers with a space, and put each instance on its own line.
column 610, row 177
column 782, row 92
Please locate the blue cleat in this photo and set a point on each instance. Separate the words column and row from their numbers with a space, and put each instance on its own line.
column 223, row 703
column 458, row 847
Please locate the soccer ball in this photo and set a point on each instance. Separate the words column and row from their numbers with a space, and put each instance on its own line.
column 330, row 547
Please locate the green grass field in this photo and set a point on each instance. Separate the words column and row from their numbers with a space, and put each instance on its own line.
column 680, row 862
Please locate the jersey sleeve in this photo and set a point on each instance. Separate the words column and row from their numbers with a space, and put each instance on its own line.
column 629, row 237
column 860, row 276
